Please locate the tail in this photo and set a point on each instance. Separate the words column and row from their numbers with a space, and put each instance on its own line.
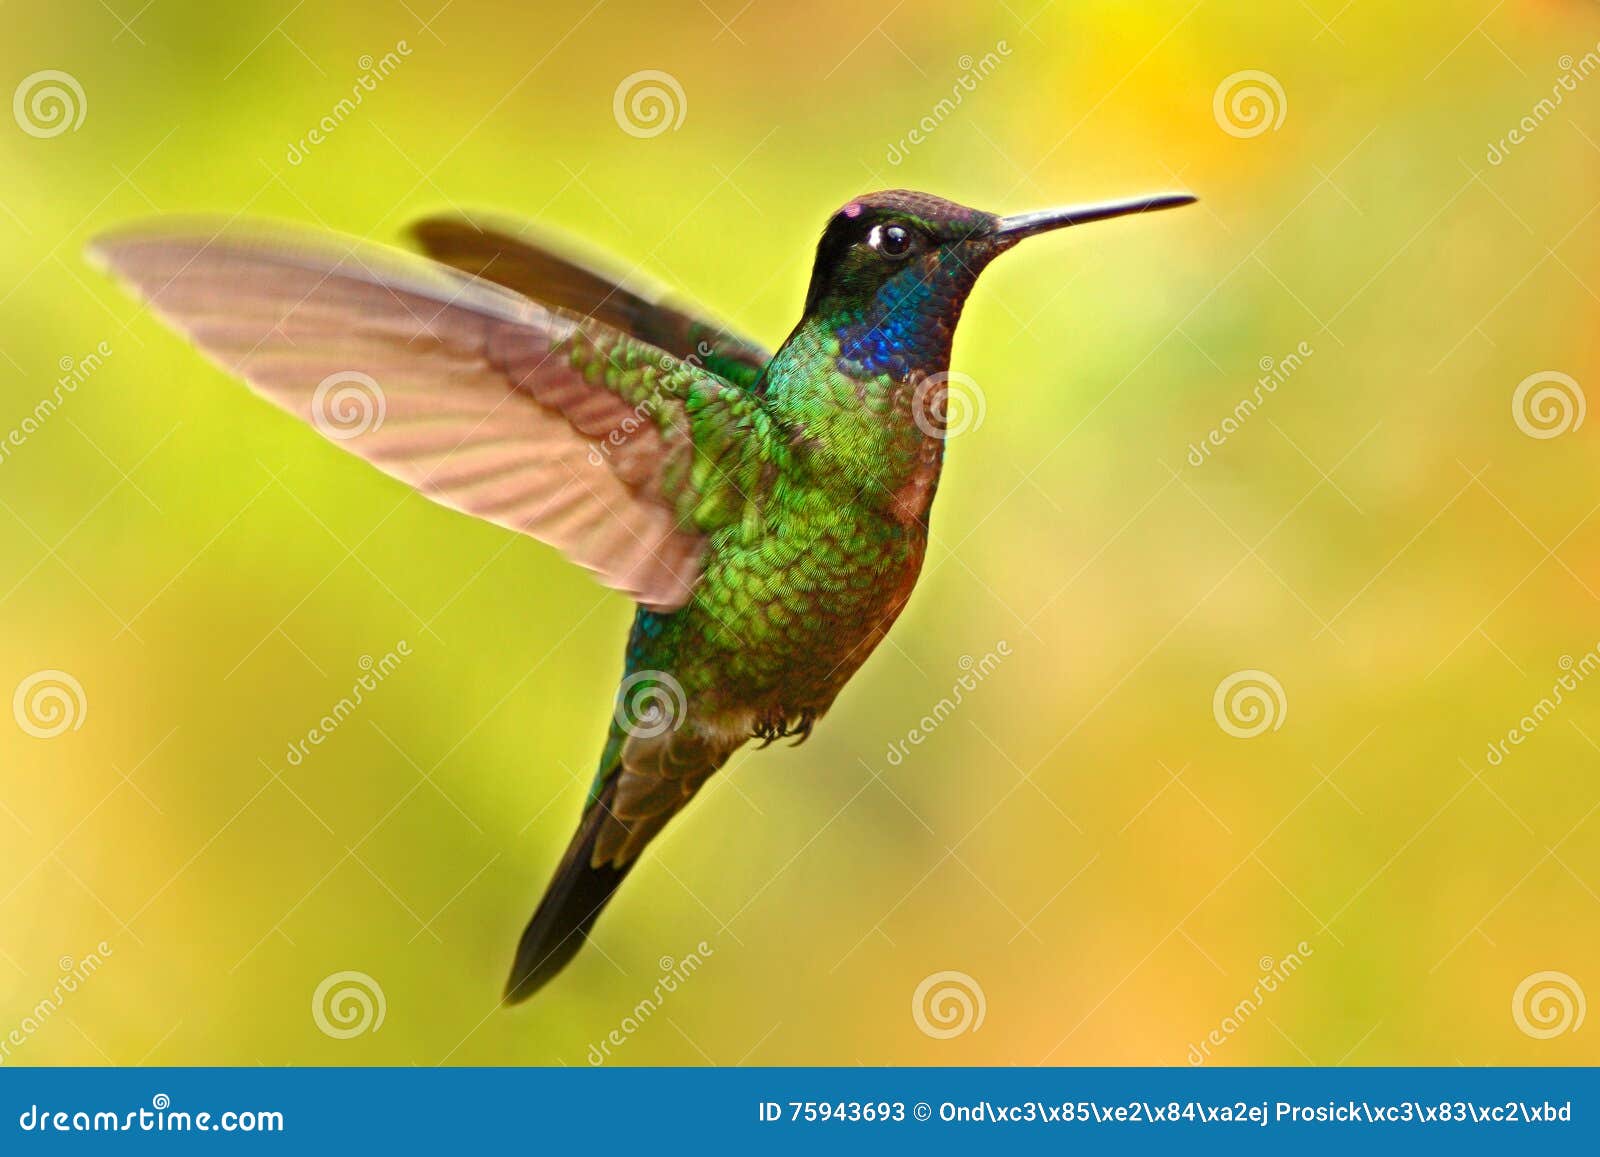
column 646, row 780
column 577, row 893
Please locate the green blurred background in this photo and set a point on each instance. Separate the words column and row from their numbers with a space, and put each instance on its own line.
column 1081, row 838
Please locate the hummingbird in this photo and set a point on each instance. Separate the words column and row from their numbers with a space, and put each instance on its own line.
column 768, row 512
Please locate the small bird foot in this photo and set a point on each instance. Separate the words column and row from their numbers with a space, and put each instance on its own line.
column 778, row 724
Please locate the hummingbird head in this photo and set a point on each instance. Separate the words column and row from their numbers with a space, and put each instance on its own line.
column 894, row 268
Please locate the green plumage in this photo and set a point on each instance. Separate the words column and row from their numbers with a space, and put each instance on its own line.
column 768, row 512
column 814, row 487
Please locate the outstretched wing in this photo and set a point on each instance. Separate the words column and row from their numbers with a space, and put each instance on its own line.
column 618, row 453
column 532, row 263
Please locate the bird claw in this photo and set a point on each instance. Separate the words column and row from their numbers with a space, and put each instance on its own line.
column 777, row 724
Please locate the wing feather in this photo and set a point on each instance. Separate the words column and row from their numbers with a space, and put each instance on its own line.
column 547, row 269
column 554, row 425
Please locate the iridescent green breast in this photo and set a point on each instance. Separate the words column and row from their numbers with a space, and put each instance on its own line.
column 795, row 596
column 785, row 622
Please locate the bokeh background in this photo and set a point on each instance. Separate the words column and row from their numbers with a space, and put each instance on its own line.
column 1408, row 569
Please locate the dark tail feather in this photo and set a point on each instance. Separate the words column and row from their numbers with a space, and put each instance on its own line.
column 572, row 902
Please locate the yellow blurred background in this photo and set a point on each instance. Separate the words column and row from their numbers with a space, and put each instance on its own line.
column 1391, row 543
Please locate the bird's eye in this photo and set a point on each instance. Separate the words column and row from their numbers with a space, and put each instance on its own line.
column 890, row 240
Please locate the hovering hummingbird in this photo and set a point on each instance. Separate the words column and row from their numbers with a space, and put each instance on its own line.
column 768, row 512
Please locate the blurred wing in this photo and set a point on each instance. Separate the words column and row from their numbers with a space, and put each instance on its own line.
column 617, row 453
column 522, row 259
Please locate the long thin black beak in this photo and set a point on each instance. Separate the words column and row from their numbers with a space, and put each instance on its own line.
column 1027, row 224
